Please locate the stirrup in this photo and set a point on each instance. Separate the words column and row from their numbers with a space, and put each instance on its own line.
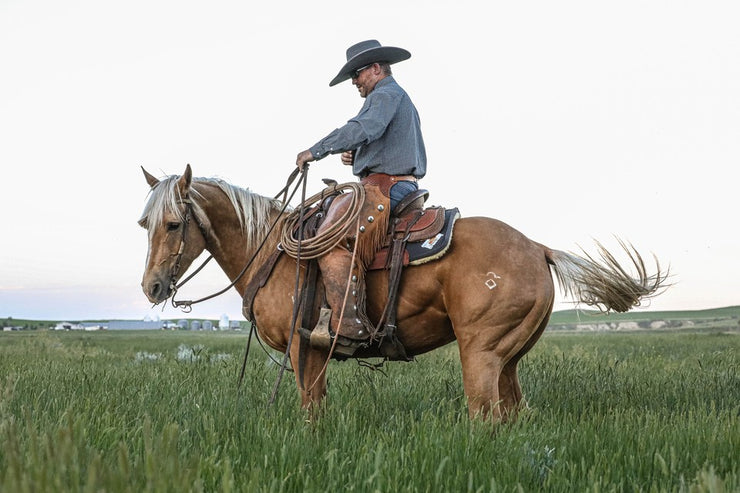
column 321, row 337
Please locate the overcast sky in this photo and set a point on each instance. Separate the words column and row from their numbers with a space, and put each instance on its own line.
column 569, row 120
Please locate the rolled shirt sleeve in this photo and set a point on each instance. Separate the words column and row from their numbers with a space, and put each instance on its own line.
column 345, row 138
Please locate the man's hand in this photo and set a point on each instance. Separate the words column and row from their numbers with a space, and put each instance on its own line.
column 304, row 158
column 348, row 158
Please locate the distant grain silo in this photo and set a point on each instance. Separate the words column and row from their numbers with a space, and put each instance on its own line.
column 195, row 325
column 207, row 325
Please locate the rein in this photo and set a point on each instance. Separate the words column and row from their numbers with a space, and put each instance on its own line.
column 296, row 296
column 187, row 305
column 295, row 248
column 296, row 303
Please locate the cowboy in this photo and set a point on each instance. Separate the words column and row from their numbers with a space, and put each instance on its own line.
column 384, row 146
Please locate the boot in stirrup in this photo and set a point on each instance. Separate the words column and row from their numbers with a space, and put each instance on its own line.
column 335, row 269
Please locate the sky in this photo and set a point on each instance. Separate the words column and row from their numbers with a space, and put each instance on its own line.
column 572, row 121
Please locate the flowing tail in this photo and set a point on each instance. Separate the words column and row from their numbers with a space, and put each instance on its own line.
column 606, row 284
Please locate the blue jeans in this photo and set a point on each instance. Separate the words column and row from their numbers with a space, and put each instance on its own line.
column 400, row 190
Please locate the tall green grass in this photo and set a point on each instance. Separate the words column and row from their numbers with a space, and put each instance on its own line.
column 156, row 411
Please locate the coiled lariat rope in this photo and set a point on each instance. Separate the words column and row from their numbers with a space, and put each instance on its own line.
column 341, row 228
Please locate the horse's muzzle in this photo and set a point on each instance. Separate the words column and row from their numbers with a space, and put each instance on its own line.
column 156, row 290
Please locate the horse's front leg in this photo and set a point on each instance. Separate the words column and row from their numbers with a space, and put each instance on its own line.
column 313, row 387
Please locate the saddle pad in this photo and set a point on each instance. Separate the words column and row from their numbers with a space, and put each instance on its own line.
column 420, row 252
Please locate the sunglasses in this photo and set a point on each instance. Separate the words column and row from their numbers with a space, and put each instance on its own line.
column 356, row 73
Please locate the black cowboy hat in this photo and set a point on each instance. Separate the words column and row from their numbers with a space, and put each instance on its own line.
column 366, row 53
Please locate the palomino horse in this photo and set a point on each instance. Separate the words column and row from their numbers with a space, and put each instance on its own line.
column 492, row 292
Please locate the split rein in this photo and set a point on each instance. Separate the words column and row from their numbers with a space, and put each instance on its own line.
column 187, row 305
column 298, row 248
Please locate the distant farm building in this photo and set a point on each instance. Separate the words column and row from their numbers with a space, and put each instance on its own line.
column 92, row 326
column 145, row 325
column 134, row 325
column 68, row 326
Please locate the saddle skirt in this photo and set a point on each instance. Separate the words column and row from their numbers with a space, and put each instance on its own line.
column 429, row 235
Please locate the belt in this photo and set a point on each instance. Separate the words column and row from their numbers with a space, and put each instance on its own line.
column 385, row 181
column 375, row 178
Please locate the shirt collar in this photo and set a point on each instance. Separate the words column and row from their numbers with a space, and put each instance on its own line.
column 385, row 80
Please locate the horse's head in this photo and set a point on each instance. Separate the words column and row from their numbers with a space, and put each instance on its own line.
column 175, row 239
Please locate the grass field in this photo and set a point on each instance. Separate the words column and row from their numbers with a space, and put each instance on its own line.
column 160, row 411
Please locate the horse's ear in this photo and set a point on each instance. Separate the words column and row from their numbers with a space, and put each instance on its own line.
column 183, row 184
column 152, row 181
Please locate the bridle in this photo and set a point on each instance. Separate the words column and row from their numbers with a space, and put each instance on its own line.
column 175, row 270
column 187, row 305
column 176, row 266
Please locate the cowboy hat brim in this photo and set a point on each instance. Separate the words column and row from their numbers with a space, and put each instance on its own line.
column 390, row 54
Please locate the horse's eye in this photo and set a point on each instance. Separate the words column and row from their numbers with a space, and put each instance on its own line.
column 173, row 226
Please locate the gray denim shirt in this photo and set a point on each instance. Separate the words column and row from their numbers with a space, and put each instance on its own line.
column 385, row 134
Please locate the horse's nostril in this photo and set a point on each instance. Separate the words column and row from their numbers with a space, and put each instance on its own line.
column 155, row 290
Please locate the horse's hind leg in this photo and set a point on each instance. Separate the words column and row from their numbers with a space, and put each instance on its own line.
column 481, row 370
column 489, row 359
column 483, row 363
column 509, row 388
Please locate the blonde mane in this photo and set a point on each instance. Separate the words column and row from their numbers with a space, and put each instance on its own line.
column 252, row 210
